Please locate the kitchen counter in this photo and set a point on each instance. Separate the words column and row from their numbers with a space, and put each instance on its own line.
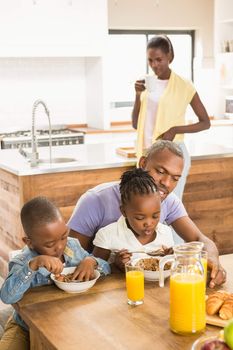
column 93, row 156
column 88, row 157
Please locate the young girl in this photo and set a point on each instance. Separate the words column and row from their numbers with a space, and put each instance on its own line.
column 138, row 229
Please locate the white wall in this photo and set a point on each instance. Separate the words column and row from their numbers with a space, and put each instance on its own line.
column 165, row 14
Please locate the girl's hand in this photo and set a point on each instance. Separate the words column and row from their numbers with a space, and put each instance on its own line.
column 121, row 258
column 139, row 86
column 85, row 270
column 51, row 263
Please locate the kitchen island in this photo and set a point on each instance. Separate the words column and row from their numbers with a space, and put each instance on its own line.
column 207, row 197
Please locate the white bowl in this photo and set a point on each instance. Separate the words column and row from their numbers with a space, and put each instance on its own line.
column 199, row 343
column 151, row 275
column 74, row 287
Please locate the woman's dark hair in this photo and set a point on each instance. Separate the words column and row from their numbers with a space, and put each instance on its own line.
column 136, row 181
column 163, row 43
column 37, row 212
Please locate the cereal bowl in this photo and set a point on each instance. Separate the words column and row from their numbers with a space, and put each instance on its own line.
column 74, row 287
column 151, row 268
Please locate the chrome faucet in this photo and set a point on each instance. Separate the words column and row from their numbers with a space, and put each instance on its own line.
column 34, row 157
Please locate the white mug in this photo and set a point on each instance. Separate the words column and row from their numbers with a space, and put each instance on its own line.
column 150, row 82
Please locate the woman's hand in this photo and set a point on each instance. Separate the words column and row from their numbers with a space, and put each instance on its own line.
column 51, row 263
column 139, row 86
column 121, row 258
column 168, row 135
column 85, row 270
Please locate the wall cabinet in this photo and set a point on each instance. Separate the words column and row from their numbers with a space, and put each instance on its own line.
column 224, row 51
column 38, row 33
column 55, row 28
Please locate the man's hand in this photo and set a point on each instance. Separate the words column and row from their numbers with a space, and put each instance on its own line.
column 217, row 273
column 51, row 263
column 121, row 258
column 85, row 270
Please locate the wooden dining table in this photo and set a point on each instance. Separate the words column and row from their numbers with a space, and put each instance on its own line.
column 101, row 318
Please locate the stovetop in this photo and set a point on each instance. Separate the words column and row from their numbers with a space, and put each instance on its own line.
column 23, row 138
column 42, row 132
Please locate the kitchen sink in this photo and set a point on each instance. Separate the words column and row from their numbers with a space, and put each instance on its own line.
column 57, row 160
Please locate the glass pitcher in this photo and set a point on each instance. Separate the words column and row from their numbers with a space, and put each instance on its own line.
column 187, row 289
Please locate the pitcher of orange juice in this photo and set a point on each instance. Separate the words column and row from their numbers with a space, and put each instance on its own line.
column 187, row 289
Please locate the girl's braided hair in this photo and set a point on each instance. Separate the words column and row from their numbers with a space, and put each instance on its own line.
column 136, row 181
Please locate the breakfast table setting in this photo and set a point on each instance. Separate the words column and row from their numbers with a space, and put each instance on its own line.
column 101, row 317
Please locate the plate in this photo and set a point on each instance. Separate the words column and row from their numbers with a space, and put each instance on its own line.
column 151, row 275
column 198, row 344
column 74, row 287
column 216, row 321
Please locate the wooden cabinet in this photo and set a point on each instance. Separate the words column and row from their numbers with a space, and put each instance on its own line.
column 208, row 199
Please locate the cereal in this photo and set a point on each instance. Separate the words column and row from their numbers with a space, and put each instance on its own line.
column 151, row 264
column 65, row 278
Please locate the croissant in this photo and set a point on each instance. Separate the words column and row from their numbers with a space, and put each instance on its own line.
column 215, row 301
column 226, row 311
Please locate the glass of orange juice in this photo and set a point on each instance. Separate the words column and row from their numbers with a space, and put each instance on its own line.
column 187, row 289
column 187, row 303
column 134, row 284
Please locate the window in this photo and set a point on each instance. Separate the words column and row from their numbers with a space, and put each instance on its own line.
column 126, row 62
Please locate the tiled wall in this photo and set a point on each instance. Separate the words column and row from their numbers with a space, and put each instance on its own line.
column 60, row 82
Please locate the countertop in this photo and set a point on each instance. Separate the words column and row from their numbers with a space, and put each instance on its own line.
column 88, row 156
column 93, row 156
column 127, row 126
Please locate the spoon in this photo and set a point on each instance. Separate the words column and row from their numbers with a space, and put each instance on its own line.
column 157, row 252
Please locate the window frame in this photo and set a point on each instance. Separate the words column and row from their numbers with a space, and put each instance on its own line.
column 156, row 32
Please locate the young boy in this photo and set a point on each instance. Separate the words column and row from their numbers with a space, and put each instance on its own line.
column 138, row 229
column 48, row 249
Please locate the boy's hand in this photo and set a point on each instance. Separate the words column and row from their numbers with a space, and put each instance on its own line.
column 121, row 258
column 85, row 270
column 51, row 263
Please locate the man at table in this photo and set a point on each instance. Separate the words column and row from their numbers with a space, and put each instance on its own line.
column 100, row 206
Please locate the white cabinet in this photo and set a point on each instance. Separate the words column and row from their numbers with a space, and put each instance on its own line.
column 223, row 10
column 224, row 51
column 127, row 137
column 216, row 135
column 54, row 28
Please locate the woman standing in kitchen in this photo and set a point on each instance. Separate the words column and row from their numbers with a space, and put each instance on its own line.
column 160, row 114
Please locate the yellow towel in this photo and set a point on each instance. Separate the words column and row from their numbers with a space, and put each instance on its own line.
column 171, row 109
